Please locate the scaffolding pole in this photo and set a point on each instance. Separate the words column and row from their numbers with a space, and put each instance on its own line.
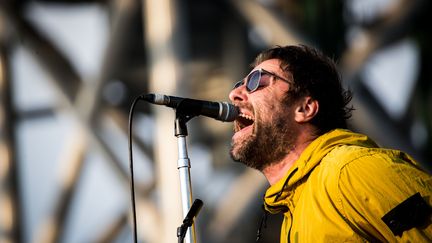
column 160, row 37
column 11, row 229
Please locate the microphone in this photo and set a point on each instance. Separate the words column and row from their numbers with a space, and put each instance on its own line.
column 221, row 111
column 189, row 219
column 193, row 212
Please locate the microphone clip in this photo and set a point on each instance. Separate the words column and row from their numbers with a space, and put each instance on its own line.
column 189, row 219
column 181, row 119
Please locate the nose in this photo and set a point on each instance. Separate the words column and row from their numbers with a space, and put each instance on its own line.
column 238, row 94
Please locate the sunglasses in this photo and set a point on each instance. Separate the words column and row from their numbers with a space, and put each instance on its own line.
column 254, row 80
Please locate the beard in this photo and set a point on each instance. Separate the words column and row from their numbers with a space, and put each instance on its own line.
column 271, row 142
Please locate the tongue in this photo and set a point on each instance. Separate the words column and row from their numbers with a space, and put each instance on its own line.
column 242, row 131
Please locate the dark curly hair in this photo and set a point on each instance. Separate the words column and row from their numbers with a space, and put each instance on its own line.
column 314, row 74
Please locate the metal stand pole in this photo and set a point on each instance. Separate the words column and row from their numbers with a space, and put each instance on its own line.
column 183, row 165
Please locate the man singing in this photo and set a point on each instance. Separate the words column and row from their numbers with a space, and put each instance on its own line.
column 331, row 184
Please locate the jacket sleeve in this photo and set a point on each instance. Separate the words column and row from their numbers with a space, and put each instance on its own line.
column 376, row 181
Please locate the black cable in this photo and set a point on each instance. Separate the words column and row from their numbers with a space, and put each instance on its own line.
column 132, row 184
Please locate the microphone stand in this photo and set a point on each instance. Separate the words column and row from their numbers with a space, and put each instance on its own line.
column 183, row 165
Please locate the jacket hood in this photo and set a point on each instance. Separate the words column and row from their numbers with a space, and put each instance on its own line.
column 275, row 199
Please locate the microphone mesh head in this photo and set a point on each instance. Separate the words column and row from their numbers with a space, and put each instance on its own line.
column 229, row 112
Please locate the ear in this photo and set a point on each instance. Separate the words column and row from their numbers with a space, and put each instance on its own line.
column 306, row 109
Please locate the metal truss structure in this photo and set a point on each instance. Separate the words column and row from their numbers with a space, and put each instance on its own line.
column 197, row 49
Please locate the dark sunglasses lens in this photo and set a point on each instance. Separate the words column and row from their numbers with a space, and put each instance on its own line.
column 253, row 81
column 238, row 84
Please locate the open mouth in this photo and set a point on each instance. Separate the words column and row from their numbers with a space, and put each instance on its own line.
column 243, row 121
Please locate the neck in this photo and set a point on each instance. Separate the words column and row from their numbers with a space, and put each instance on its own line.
column 278, row 170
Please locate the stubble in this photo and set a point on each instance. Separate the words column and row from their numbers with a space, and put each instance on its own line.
column 269, row 143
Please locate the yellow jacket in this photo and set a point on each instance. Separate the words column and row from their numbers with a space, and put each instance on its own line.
column 342, row 186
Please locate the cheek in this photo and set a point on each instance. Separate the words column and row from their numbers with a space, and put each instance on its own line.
column 268, row 103
column 265, row 113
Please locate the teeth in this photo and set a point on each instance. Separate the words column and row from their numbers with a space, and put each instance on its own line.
column 246, row 116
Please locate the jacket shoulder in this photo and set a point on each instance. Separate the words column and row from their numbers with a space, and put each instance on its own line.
column 366, row 183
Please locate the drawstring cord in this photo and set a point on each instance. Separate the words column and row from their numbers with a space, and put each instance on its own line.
column 263, row 223
column 285, row 184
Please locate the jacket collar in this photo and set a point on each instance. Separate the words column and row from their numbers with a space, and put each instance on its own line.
column 281, row 196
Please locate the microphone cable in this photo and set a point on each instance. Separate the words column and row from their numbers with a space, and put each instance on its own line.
column 132, row 184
